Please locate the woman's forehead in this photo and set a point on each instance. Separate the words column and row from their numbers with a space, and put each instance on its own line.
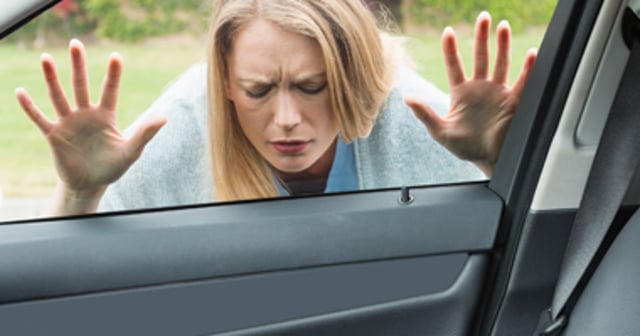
column 260, row 29
column 263, row 48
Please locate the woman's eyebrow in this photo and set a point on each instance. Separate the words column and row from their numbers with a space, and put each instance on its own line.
column 262, row 79
column 311, row 76
column 253, row 80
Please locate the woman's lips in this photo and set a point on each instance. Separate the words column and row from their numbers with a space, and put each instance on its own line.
column 290, row 147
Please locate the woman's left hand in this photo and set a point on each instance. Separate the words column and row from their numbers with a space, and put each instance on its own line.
column 481, row 107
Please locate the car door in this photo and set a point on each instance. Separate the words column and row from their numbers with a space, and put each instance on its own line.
column 461, row 259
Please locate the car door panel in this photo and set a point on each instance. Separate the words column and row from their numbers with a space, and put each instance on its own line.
column 381, row 298
column 366, row 254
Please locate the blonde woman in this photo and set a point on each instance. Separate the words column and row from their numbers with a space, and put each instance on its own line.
column 297, row 97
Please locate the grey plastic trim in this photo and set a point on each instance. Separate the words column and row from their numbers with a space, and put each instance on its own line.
column 534, row 272
column 365, row 299
column 571, row 153
column 603, row 90
column 443, row 314
column 106, row 252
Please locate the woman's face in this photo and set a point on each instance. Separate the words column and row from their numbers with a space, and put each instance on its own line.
column 277, row 82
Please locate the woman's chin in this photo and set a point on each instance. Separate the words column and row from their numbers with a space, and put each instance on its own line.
column 291, row 167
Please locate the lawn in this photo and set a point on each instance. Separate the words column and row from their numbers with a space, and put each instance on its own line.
column 25, row 164
column 425, row 50
column 26, row 168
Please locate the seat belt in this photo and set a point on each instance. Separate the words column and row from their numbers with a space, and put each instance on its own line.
column 614, row 166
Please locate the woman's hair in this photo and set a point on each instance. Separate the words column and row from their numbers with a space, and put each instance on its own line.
column 359, row 75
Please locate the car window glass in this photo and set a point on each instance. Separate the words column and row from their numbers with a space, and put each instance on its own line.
column 163, row 46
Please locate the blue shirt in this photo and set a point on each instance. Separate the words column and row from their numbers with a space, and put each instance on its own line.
column 342, row 176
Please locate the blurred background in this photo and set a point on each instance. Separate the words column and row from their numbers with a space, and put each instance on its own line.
column 160, row 39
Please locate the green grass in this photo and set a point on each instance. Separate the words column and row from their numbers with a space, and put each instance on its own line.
column 425, row 50
column 26, row 169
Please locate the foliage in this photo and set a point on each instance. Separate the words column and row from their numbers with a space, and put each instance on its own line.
column 133, row 20
column 122, row 20
column 520, row 13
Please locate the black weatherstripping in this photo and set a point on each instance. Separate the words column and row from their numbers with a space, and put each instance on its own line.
column 21, row 13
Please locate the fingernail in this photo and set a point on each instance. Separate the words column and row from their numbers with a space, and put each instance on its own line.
column 75, row 42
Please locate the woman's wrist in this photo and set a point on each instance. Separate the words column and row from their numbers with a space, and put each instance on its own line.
column 486, row 167
column 69, row 202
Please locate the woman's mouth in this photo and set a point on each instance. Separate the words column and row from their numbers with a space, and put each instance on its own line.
column 290, row 147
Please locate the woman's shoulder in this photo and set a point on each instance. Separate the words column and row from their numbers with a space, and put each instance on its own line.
column 183, row 101
column 396, row 115
column 400, row 150
column 174, row 168
column 408, row 82
column 190, row 85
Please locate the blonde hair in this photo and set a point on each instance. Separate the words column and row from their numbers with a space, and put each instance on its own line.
column 359, row 74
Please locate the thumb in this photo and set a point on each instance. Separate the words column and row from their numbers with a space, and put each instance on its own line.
column 430, row 118
column 147, row 130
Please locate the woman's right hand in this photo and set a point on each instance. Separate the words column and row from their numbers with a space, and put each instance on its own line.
column 88, row 149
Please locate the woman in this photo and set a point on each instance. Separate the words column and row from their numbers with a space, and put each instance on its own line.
column 302, row 96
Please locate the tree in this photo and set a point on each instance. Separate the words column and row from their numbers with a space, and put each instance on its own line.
column 65, row 8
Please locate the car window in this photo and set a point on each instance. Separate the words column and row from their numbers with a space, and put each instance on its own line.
column 164, row 50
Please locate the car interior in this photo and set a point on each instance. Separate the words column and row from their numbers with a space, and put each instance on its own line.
column 546, row 247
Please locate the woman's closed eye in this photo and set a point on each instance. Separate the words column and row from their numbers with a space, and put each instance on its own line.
column 312, row 88
column 258, row 92
column 307, row 88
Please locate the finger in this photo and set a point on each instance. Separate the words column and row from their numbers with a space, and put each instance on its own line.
column 452, row 58
column 80, row 75
column 143, row 135
column 111, row 83
column 426, row 115
column 503, row 57
column 518, row 86
column 34, row 113
column 481, row 46
column 56, row 93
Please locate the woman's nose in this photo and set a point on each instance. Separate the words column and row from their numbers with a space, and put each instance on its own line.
column 287, row 114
